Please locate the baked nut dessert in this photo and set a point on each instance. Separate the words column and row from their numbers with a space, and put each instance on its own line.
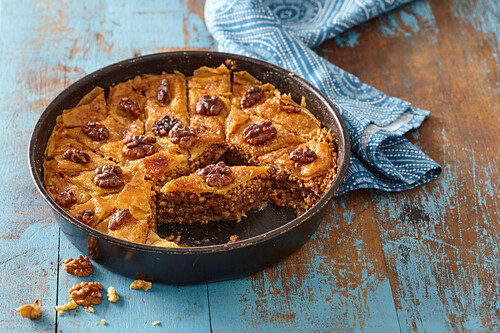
column 174, row 149
column 216, row 192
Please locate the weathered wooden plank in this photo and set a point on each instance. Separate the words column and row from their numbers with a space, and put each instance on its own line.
column 179, row 309
column 440, row 241
column 438, row 245
column 28, row 234
column 45, row 46
column 336, row 282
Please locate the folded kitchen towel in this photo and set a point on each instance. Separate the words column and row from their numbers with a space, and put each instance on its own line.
column 283, row 32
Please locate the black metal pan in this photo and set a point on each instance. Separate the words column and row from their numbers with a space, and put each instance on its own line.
column 266, row 237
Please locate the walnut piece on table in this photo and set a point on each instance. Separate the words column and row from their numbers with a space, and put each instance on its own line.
column 66, row 307
column 82, row 266
column 86, row 293
column 30, row 311
column 113, row 295
column 141, row 284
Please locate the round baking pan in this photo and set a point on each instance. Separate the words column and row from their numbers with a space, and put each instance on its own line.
column 266, row 237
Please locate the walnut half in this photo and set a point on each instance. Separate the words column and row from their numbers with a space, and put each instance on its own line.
column 30, row 311
column 86, row 293
column 79, row 267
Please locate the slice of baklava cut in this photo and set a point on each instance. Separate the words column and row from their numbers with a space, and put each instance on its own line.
column 248, row 92
column 92, row 108
column 301, row 174
column 126, row 105
column 163, row 166
column 166, row 105
column 73, row 161
column 134, row 215
column 283, row 110
column 251, row 136
column 94, row 210
column 79, row 127
column 216, row 192
column 209, row 91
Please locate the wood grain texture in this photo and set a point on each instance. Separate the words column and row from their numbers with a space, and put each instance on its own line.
column 337, row 281
column 422, row 260
column 440, row 241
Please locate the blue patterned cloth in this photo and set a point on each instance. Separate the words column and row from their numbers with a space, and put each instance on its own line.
column 283, row 32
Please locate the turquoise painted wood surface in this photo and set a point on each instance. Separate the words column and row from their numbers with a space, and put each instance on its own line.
column 422, row 260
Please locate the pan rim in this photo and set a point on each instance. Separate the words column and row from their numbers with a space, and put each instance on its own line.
column 343, row 161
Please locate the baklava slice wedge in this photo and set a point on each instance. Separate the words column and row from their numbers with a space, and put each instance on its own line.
column 216, row 192
column 209, row 91
column 134, row 216
column 248, row 92
column 283, row 110
column 92, row 108
column 251, row 136
column 126, row 105
column 301, row 174
column 95, row 210
column 163, row 166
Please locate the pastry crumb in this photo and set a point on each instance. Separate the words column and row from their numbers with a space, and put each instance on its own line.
column 141, row 284
column 103, row 321
column 156, row 323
